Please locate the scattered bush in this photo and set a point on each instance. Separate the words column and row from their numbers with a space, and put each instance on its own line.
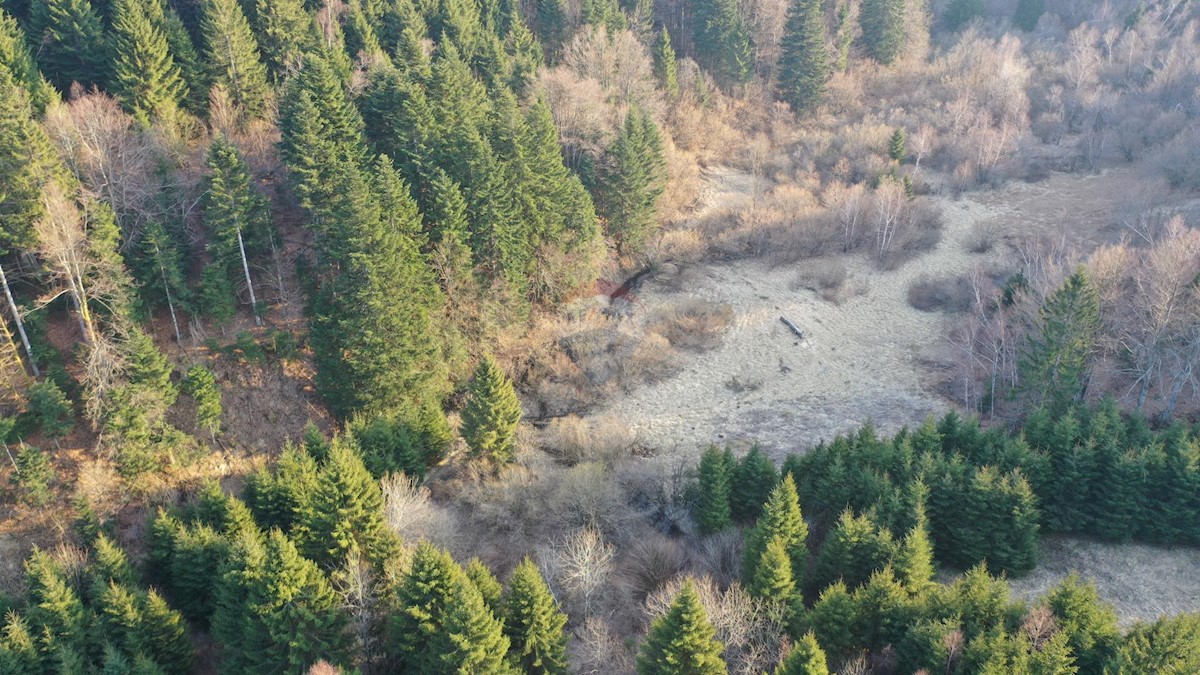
column 983, row 237
column 955, row 295
column 827, row 278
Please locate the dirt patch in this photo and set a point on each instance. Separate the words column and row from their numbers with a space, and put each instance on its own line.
column 1142, row 582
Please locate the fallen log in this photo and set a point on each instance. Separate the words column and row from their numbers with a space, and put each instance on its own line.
column 795, row 329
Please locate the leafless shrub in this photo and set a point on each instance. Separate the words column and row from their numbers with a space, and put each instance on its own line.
column 598, row 650
column 983, row 236
column 580, row 567
column 323, row 668
column 653, row 561
column 856, row 665
column 953, row 295
column 586, row 496
column 720, row 556
column 410, row 513
column 693, row 324
column 574, row 440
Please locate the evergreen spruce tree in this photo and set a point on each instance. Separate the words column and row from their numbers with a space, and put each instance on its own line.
column 832, row 620
column 71, row 44
column 1028, row 13
column 236, row 214
column 914, row 559
column 723, row 43
column 442, row 624
column 773, row 579
column 534, row 623
column 492, row 413
column 486, row 583
column 285, row 33
column 682, row 641
column 18, row 648
column 110, row 564
column 780, row 519
column 183, row 51
column 215, row 298
column 1090, row 625
column 843, row 38
column 853, row 551
column 712, row 511
column 160, row 272
column 34, row 475
column 344, row 513
column 48, row 410
column 165, row 635
column 233, row 58
column 276, row 611
column 959, row 13
column 898, row 146
column 804, row 658
column 15, row 55
column 753, row 480
column 56, row 613
column 120, row 615
column 1056, row 361
column 631, row 180
column 278, row 495
column 1169, row 645
column 883, row 29
column 145, row 77
column 803, row 66
column 665, row 67
column 201, row 385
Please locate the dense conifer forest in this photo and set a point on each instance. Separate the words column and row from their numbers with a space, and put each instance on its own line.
column 306, row 303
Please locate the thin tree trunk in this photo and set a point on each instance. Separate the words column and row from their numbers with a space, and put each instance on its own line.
column 278, row 267
column 249, row 284
column 170, row 304
column 20, row 324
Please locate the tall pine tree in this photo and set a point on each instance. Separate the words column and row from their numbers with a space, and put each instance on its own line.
column 232, row 55
column 534, row 623
column 145, row 77
column 1056, row 362
column 682, row 641
column 722, row 39
column 15, row 55
column 631, row 179
column 883, row 29
column 492, row 413
column 780, row 519
column 804, row 62
column 71, row 44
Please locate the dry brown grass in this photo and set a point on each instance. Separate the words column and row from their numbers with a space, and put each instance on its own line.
column 693, row 323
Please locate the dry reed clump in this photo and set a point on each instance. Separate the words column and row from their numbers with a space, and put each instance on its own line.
column 693, row 324
column 574, row 440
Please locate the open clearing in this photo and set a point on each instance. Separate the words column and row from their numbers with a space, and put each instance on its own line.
column 873, row 357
